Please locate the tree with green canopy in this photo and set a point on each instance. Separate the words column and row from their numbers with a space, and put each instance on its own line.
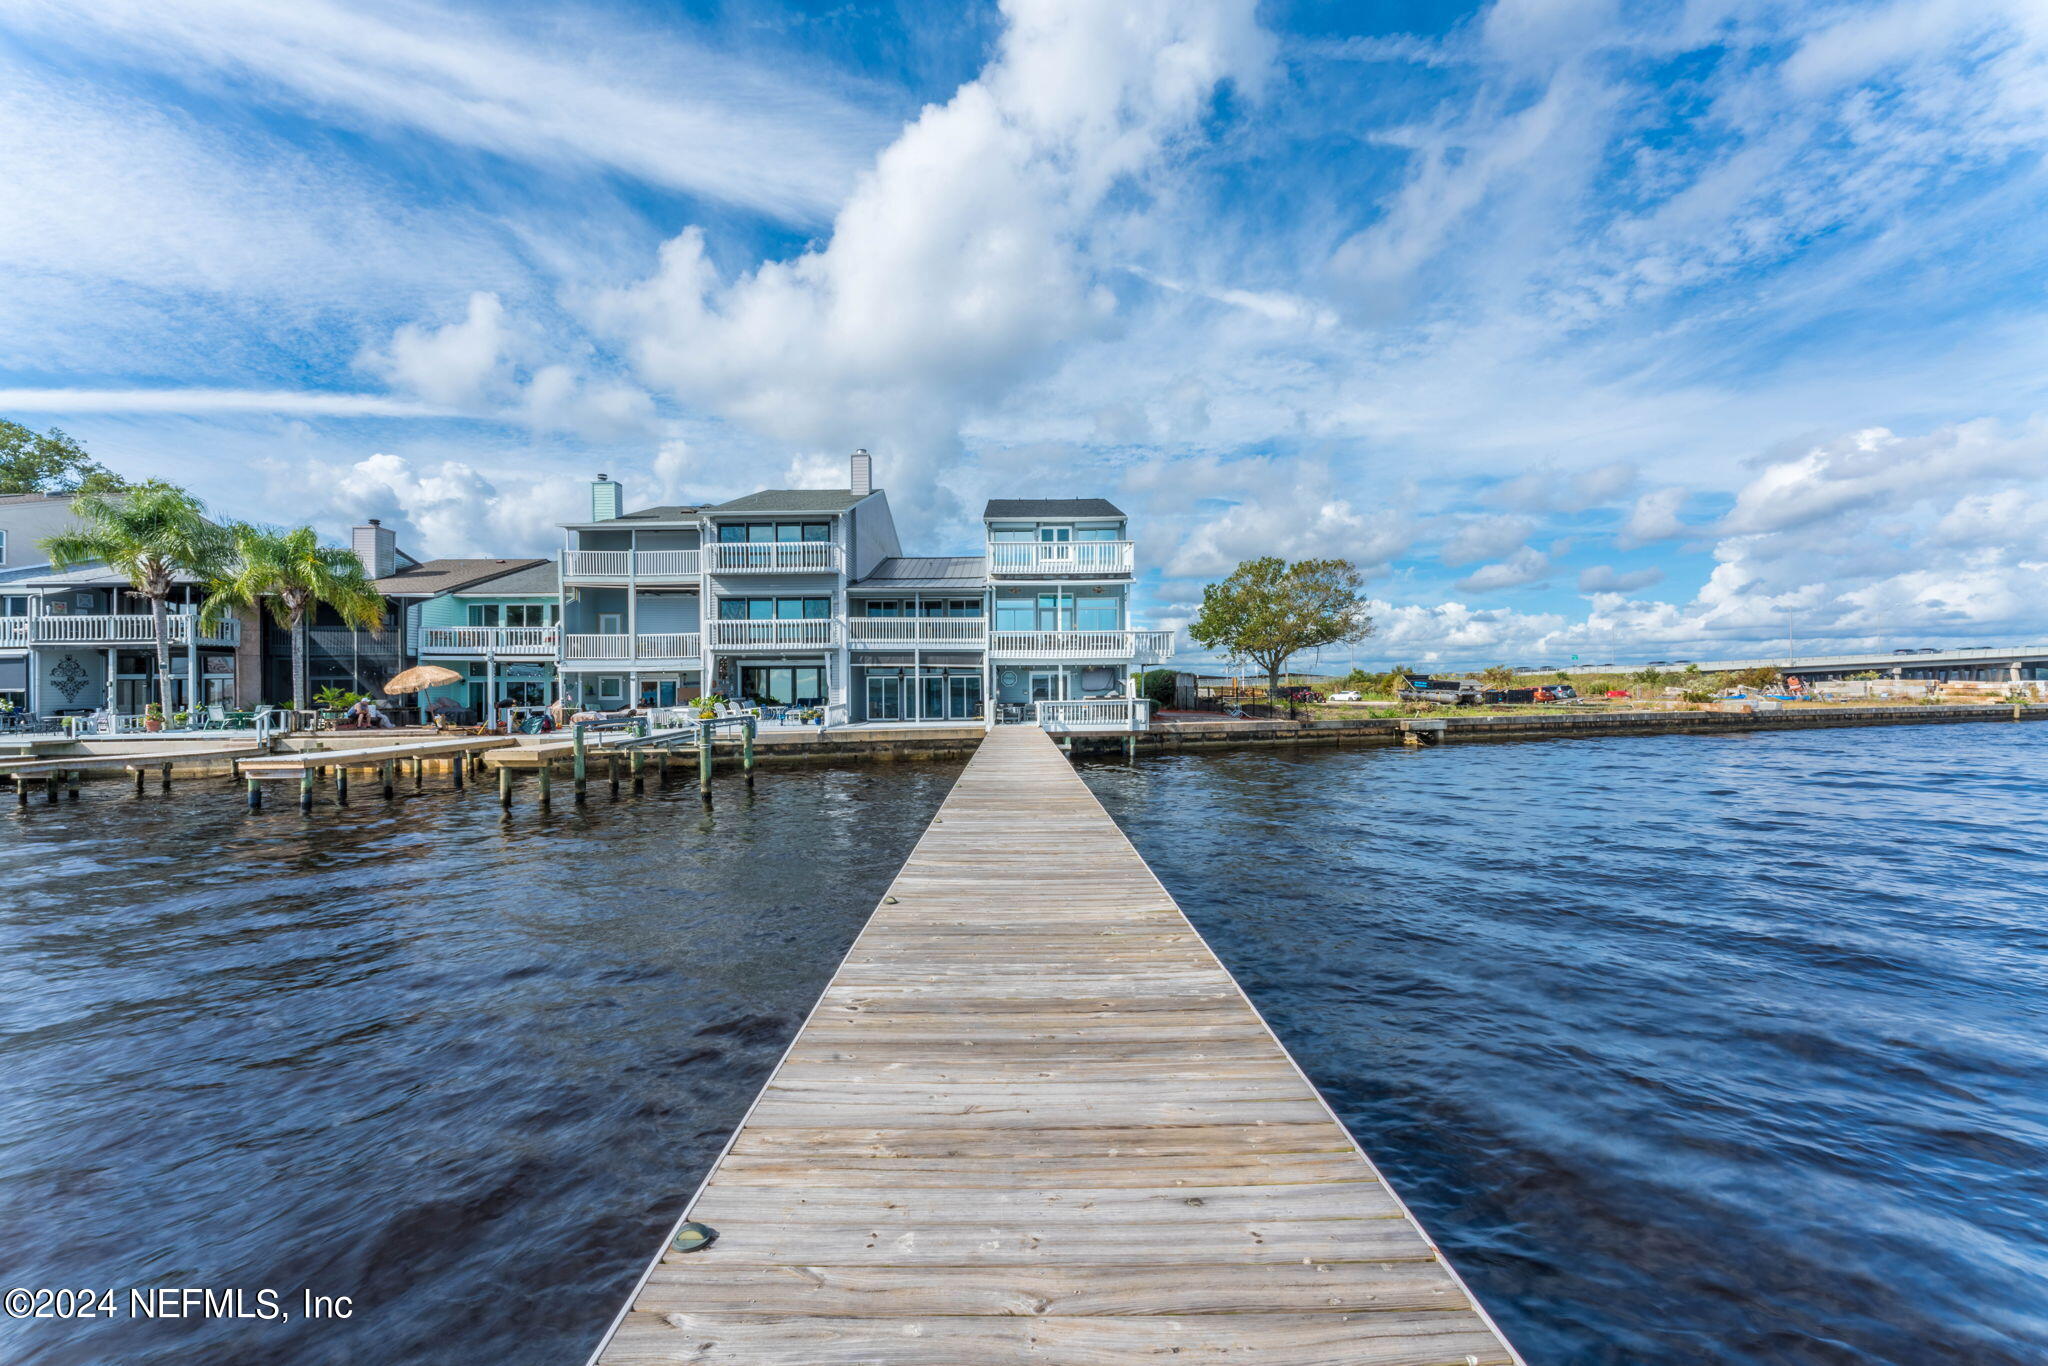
column 151, row 533
column 292, row 574
column 1269, row 610
column 49, row 462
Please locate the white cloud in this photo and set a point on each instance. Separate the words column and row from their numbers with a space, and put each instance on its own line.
column 462, row 364
column 1605, row 578
column 444, row 508
column 1654, row 517
column 1485, row 537
column 306, row 403
column 1525, row 566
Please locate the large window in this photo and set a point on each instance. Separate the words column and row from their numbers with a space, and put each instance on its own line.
column 731, row 532
column 782, row 684
column 1095, row 614
column 774, row 609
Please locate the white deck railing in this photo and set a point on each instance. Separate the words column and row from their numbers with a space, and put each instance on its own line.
column 1081, row 645
column 872, row 631
column 1096, row 713
column 118, row 629
column 646, row 566
column 813, row 632
column 775, row 557
column 532, row 642
column 622, row 648
column 1059, row 557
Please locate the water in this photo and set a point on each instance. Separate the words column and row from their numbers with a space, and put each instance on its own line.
column 1718, row 1050
column 1688, row 1049
column 461, row 1068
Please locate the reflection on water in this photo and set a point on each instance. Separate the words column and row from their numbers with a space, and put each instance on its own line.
column 1728, row 1050
column 460, row 1067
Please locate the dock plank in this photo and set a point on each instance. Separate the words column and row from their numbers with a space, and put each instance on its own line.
column 1033, row 1120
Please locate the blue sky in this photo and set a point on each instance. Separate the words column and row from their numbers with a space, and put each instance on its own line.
column 1620, row 330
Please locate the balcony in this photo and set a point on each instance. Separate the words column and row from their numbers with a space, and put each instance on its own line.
column 670, row 647
column 1081, row 646
column 776, row 557
column 122, row 629
column 502, row 642
column 1060, row 559
column 632, row 566
column 811, row 633
column 882, row 633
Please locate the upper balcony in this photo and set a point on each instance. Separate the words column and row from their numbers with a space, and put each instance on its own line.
column 485, row 642
column 122, row 629
column 597, row 650
column 885, row 633
column 804, row 633
column 1059, row 559
column 632, row 566
column 776, row 557
column 1082, row 646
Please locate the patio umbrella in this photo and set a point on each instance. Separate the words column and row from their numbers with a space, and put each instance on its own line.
column 422, row 676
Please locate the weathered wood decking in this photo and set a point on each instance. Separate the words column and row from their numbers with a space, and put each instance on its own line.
column 1032, row 1119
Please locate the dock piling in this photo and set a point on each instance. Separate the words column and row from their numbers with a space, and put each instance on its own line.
column 546, row 775
column 504, row 787
column 581, row 771
column 50, row 785
column 71, row 779
column 341, row 785
column 419, row 774
column 611, row 773
column 747, row 748
column 255, row 795
column 704, row 762
column 388, row 770
column 639, row 780
column 461, row 762
column 165, row 784
column 306, row 788
column 141, row 778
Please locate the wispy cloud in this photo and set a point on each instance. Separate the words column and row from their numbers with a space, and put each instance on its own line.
column 300, row 403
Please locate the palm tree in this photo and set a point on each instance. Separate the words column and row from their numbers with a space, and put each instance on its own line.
column 152, row 533
column 294, row 574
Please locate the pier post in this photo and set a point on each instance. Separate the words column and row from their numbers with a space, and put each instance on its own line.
column 390, row 775
column 341, row 785
column 704, row 761
column 461, row 762
column 611, row 772
column 255, row 794
column 141, row 775
column 747, row 748
column 21, row 792
column 504, row 786
column 306, row 788
column 639, row 780
column 546, row 775
column 661, row 766
column 71, row 785
column 580, row 770
column 50, row 785
column 165, row 784
column 419, row 773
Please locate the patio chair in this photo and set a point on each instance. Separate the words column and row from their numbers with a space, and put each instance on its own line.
column 216, row 717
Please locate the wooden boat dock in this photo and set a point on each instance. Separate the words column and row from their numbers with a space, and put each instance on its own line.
column 1033, row 1120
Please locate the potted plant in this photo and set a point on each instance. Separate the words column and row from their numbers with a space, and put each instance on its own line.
column 153, row 717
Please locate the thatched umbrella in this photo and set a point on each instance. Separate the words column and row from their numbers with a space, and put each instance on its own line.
column 422, row 676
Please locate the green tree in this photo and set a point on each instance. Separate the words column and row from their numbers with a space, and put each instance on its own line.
column 1648, row 679
column 49, row 462
column 1500, row 677
column 1157, row 684
column 1268, row 611
column 1762, row 676
column 151, row 533
column 294, row 574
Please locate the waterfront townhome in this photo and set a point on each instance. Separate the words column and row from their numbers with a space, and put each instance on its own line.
column 801, row 601
column 494, row 621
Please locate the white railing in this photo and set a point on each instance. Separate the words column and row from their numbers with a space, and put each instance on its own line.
column 665, row 645
column 775, row 557
column 124, row 629
column 1059, row 557
column 917, row 631
column 1082, row 645
column 482, row 640
column 816, row 631
column 13, row 631
column 1096, row 713
column 648, row 565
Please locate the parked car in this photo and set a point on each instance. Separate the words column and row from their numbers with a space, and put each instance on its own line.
column 1347, row 697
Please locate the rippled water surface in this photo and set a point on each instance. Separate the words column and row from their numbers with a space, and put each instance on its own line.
column 462, row 1068
column 1719, row 1050
column 1686, row 1049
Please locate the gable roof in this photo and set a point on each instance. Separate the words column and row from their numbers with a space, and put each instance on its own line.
column 1051, row 507
column 444, row 576
column 666, row 513
column 793, row 500
column 956, row 573
column 542, row 578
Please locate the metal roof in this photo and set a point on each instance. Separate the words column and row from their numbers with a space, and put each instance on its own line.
column 954, row 573
column 445, row 576
column 793, row 500
column 1051, row 507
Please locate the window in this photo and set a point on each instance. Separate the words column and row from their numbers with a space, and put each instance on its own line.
column 884, row 607
column 529, row 614
column 1099, row 533
column 964, row 607
column 774, row 609
column 483, row 614
column 734, row 532
column 611, row 623
column 13, row 607
column 1055, row 533
column 1095, row 613
column 1011, row 533
column 611, row 688
column 1015, row 614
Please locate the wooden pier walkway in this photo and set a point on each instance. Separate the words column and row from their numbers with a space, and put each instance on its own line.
column 1033, row 1120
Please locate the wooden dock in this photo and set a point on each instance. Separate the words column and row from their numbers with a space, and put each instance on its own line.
column 1033, row 1120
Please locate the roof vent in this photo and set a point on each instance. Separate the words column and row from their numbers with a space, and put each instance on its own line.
column 863, row 474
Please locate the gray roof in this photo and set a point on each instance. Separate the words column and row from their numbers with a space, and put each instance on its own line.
column 92, row 576
column 674, row 513
column 953, row 573
column 1051, row 507
column 539, row 579
column 445, row 576
column 792, row 500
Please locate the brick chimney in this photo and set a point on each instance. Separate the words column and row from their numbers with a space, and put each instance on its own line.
column 863, row 474
column 376, row 545
column 606, row 499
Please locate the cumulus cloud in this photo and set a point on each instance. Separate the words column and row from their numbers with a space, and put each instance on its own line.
column 1485, row 537
column 957, row 267
column 1654, row 517
column 1605, row 578
column 442, row 508
column 1525, row 566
